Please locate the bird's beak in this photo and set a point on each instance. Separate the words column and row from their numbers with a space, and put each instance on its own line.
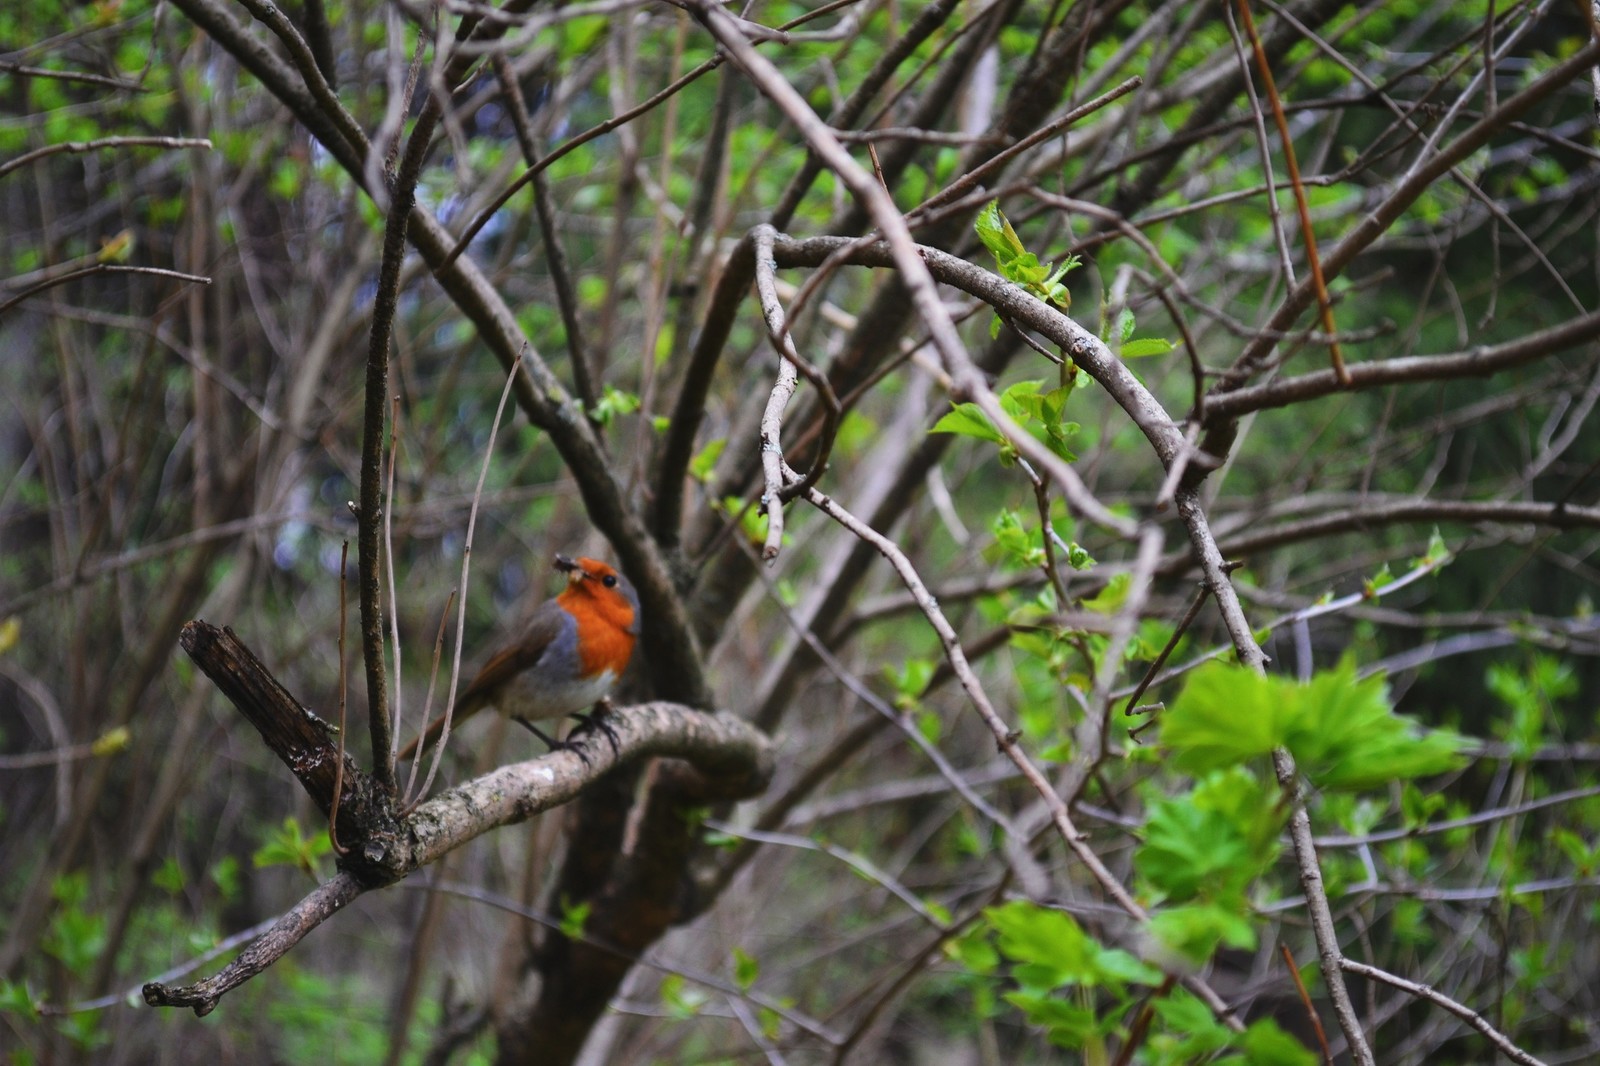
column 571, row 568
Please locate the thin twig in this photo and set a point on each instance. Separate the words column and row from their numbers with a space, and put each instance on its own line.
column 581, row 139
column 344, row 690
column 7, row 67
column 1439, row 999
column 461, row 608
column 967, row 382
column 100, row 142
column 99, row 268
column 1305, row 998
column 1172, row 642
column 1324, row 301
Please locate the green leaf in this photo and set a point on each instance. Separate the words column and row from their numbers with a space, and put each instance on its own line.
column 1265, row 1044
column 1067, row 1024
column 909, row 680
column 76, row 937
column 574, row 916
column 1341, row 730
column 745, row 969
column 225, row 875
column 705, row 460
column 1188, row 1032
column 1041, row 412
column 1224, row 715
column 1124, row 327
column 1145, row 346
column 968, row 420
column 1212, row 842
column 169, row 876
column 1580, row 854
column 1050, row 949
column 1020, row 545
column 1438, row 553
column 1346, row 736
column 681, row 1001
column 1110, row 599
column 996, row 233
column 974, row 950
column 1018, row 265
column 17, row 998
column 289, row 846
column 614, row 402
column 1196, row 930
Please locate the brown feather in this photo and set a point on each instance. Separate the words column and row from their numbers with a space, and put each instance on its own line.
column 502, row 666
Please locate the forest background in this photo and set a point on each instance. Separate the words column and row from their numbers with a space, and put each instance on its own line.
column 1112, row 488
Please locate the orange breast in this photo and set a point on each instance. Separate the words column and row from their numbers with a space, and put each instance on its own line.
column 604, row 622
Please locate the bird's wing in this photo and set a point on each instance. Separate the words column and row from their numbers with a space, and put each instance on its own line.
column 503, row 665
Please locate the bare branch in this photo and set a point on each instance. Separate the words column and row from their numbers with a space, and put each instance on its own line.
column 1439, row 999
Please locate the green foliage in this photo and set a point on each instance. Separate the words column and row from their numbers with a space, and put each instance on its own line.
column 574, row 917
column 1340, row 729
column 614, row 402
column 1123, row 343
column 225, row 875
column 680, row 999
column 1201, row 853
column 17, row 998
column 316, row 1012
column 169, row 876
column 288, row 845
column 705, row 460
column 77, row 934
column 1048, row 950
column 745, row 969
column 909, row 680
column 1017, row 264
column 1039, row 412
column 1083, row 995
column 1531, row 694
column 1212, row 842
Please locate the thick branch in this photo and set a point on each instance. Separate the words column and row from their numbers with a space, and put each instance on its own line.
column 729, row 758
column 732, row 758
column 306, row 744
column 724, row 758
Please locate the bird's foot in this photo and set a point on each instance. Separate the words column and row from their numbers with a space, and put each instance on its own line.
column 599, row 719
column 551, row 742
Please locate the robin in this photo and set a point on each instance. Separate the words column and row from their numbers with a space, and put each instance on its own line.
column 566, row 658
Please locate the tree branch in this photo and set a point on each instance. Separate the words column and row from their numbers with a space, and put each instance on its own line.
column 1481, row 361
column 723, row 758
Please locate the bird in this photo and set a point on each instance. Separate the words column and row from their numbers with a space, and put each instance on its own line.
column 566, row 658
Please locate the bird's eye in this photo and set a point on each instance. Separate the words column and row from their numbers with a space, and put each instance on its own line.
column 609, row 581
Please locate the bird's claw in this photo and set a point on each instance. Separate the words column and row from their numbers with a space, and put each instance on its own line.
column 552, row 743
column 600, row 720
